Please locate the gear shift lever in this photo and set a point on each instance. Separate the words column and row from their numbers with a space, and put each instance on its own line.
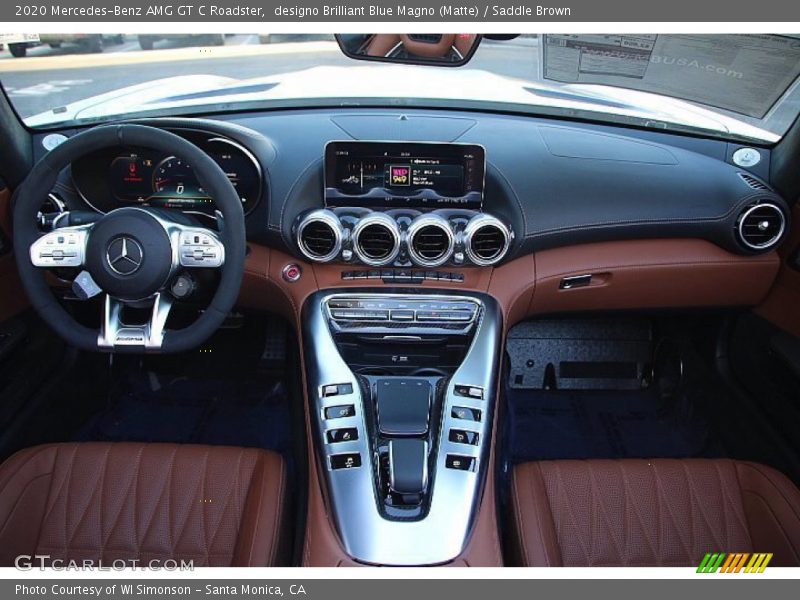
column 408, row 466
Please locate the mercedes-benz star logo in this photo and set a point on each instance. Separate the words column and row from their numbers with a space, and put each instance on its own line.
column 124, row 255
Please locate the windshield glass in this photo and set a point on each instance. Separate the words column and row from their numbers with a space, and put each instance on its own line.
column 730, row 86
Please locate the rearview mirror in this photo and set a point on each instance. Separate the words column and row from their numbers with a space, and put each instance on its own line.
column 436, row 49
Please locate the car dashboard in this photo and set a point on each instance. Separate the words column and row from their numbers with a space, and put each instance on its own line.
column 403, row 245
column 536, row 185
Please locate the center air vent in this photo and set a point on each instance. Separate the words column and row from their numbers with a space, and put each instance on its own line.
column 486, row 240
column 761, row 226
column 376, row 239
column 319, row 236
column 430, row 241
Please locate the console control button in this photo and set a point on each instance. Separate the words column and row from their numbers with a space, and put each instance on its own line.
column 340, row 412
column 337, row 389
column 460, row 463
column 461, row 436
column 469, row 391
column 466, row 414
column 345, row 434
column 346, row 461
column 402, row 315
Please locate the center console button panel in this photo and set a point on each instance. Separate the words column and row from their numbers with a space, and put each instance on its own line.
column 402, row 412
column 353, row 311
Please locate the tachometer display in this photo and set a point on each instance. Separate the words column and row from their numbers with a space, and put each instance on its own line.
column 176, row 186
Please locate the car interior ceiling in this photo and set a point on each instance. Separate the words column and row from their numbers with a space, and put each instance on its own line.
column 665, row 339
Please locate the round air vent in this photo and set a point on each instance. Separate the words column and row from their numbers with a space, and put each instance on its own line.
column 319, row 236
column 486, row 239
column 430, row 241
column 376, row 239
column 760, row 226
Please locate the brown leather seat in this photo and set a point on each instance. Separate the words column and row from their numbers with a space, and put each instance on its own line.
column 214, row 505
column 659, row 512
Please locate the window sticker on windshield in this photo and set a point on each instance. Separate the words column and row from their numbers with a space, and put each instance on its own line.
column 744, row 74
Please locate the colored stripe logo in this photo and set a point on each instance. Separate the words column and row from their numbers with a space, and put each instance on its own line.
column 736, row 562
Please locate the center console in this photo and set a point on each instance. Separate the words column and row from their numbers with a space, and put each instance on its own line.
column 402, row 388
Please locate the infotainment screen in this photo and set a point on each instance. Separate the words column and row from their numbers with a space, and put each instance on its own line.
column 404, row 174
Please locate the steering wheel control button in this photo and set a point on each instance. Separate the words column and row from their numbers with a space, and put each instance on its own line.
column 460, row 463
column 291, row 273
column 340, row 412
column 125, row 255
column 346, row 461
column 199, row 248
column 59, row 249
column 462, row 436
column 346, row 434
column 466, row 414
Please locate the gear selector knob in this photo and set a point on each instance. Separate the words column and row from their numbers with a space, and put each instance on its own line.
column 408, row 466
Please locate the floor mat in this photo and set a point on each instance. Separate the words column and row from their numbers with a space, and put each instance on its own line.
column 157, row 408
column 568, row 424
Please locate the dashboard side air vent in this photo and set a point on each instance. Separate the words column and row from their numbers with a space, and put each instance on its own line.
column 486, row 240
column 376, row 239
column 754, row 183
column 319, row 236
column 760, row 226
column 430, row 241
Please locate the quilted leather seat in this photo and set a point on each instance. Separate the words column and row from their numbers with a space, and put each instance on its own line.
column 217, row 506
column 659, row 512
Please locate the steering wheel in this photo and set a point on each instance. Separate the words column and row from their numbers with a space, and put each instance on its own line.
column 130, row 254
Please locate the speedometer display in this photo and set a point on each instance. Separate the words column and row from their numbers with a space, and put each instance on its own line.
column 176, row 186
column 147, row 178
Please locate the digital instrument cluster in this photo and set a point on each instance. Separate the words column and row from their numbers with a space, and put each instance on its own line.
column 142, row 177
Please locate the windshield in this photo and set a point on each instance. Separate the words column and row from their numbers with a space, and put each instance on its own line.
column 730, row 86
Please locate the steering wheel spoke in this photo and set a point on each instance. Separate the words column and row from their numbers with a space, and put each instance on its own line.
column 116, row 334
column 198, row 247
column 64, row 247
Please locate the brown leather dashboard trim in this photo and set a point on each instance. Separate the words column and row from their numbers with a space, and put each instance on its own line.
column 650, row 274
column 630, row 274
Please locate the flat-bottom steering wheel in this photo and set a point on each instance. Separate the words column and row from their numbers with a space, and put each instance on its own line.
column 130, row 254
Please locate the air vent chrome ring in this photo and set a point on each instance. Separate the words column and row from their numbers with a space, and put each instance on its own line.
column 474, row 226
column 370, row 223
column 326, row 218
column 419, row 226
column 773, row 239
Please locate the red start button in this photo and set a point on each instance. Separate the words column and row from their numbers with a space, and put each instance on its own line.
column 291, row 272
